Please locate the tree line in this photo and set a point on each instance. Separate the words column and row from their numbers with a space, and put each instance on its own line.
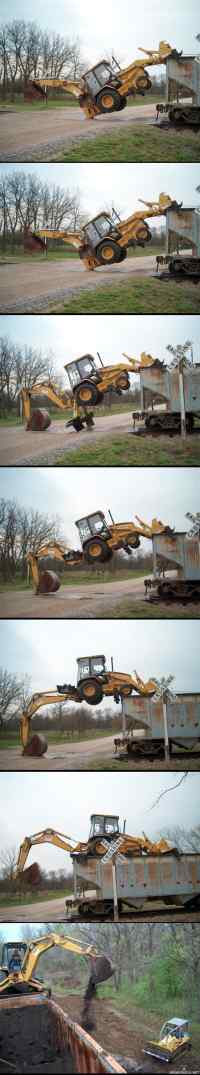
column 28, row 52
column 28, row 202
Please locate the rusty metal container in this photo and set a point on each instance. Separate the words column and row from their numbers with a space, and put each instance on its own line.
column 170, row 877
column 36, row 1036
column 183, row 78
column 183, row 230
column 164, row 383
column 182, row 552
column 146, row 716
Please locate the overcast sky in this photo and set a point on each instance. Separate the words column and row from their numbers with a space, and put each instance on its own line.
column 109, row 28
column 68, row 338
column 167, row 493
column 102, row 185
column 47, row 651
column 30, row 802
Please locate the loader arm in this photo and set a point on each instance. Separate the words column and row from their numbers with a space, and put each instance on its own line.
column 43, row 389
column 101, row 966
column 137, row 364
column 36, row 702
column 131, row 228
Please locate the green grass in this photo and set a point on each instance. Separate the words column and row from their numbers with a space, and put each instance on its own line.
column 134, row 451
column 75, row 577
column 144, row 610
column 20, row 105
column 52, row 255
column 34, row 897
column 138, row 145
column 7, row 742
column 62, row 416
column 134, row 296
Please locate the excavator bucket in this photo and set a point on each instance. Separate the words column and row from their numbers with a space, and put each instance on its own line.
column 48, row 582
column 31, row 876
column 39, row 420
column 36, row 746
column 32, row 243
column 33, row 92
column 101, row 970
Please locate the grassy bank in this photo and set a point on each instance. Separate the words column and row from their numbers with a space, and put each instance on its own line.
column 134, row 296
column 77, row 578
column 34, row 897
column 134, row 451
column 10, row 740
column 137, row 144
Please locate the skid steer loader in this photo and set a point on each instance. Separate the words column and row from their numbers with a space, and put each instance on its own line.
column 175, row 1038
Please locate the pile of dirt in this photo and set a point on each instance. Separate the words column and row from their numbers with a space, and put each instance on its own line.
column 118, row 1036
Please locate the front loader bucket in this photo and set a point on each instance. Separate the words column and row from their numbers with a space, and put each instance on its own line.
column 48, row 582
column 33, row 92
column 40, row 420
column 160, row 1052
column 32, row 243
column 36, row 746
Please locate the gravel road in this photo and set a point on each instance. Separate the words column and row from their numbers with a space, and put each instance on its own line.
column 34, row 136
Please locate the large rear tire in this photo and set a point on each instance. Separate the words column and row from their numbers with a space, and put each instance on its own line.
column 108, row 252
column 90, row 691
column 86, row 393
column 96, row 551
column 108, row 100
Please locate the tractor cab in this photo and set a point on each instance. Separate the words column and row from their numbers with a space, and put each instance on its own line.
column 92, row 526
column 98, row 77
column 102, row 226
column 90, row 666
column 104, row 825
column 13, row 953
column 82, row 369
column 177, row 1028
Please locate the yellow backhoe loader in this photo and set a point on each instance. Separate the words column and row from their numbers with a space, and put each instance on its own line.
column 105, row 239
column 94, row 682
column 105, row 87
column 103, row 827
column 99, row 540
column 89, row 382
column 19, row 961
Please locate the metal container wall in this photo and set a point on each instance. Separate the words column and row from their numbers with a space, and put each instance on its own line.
column 183, row 552
column 143, row 876
column 185, row 72
column 154, row 383
column 183, row 224
column 183, row 716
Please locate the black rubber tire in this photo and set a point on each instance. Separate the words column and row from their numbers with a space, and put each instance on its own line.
column 105, row 552
column 91, row 388
column 116, row 100
column 116, row 252
column 96, row 698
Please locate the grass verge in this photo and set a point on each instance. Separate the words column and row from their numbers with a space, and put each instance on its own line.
column 135, row 296
column 134, row 451
column 138, row 145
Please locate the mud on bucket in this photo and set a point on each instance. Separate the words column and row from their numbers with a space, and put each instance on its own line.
column 48, row 583
column 36, row 746
column 40, row 419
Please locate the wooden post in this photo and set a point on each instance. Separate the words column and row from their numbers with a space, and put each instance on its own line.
column 115, row 899
column 182, row 402
column 165, row 730
column 123, row 720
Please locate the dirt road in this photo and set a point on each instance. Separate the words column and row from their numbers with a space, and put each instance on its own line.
column 34, row 449
column 86, row 601
column 33, row 136
column 63, row 756
column 31, row 285
column 80, row 601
